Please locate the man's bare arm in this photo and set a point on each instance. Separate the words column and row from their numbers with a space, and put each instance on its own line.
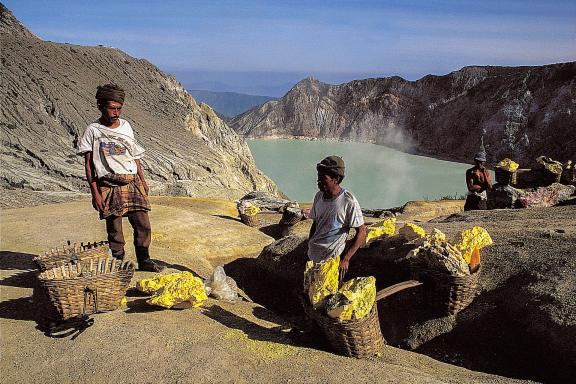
column 97, row 201
column 358, row 240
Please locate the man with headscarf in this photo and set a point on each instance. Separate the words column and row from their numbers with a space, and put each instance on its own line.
column 334, row 211
column 478, row 181
column 114, row 173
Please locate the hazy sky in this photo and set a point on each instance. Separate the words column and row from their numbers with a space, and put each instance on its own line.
column 265, row 46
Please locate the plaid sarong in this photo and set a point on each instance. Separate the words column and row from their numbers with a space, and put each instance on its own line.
column 121, row 199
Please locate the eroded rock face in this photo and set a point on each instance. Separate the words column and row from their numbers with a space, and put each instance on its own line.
column 524, row 111
column 47, row 98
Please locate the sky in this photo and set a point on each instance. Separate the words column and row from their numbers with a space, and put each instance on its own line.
column 265, row 47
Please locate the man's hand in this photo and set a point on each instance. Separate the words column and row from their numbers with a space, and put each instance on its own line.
column 97, row 202
column 343, row 267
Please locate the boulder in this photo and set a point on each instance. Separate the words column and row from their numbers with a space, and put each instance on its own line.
column 549, row 196
column 265, row 200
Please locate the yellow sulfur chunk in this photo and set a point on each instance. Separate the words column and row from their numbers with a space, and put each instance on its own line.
column 437, row 237
column 385, row 228
column 550, row 165
column 476, row 237
column 247, row 208
column 321, row 280
column 354, row 299
column 412, row 231
column 186, row 288
column 158, row 281
column 508, row 165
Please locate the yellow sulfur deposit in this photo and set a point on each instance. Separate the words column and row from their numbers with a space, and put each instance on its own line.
column 321, row 280
column 185, row 287
column 156, row 282
column 437, row 237
column 508, row 165
column 476, row 237
column 385, row 228
column 550, row 165
column 247, row 208
column 354, row 299
column 412, row 231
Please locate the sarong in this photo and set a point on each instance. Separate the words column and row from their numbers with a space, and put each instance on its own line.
column 121, row 199
column 474, row 203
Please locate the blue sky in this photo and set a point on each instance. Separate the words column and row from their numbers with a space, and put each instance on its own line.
column 264, row 47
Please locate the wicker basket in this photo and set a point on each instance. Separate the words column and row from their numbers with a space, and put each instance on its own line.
column 71, row 254
column 88, row 286
column 251, row 221
column 504, row 176
column 355, row 338
column 447, row 294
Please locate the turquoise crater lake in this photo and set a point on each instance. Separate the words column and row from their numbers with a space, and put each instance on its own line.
column 379, row 177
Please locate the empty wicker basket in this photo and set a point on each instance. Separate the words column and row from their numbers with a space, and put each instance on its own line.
column 251, row 221
column 355, row 338
column 87, row 286
column 72, row 254
column 447, row 294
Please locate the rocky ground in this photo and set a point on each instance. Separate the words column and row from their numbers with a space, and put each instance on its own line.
column 221, row 342
column 519, row 326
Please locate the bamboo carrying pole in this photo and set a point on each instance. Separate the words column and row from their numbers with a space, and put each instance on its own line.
column 383, row 293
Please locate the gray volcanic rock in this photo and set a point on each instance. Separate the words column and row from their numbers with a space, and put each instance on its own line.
column 524, row 111
column 47, row 98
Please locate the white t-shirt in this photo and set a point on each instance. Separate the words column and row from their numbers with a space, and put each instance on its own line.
column 334, row 218
column 114, row 150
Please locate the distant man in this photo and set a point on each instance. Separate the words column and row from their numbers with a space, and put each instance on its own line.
column 478, row 181
column 112, row 163
column 334, row 211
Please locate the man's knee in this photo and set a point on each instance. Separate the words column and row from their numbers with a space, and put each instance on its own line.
column 140, row 221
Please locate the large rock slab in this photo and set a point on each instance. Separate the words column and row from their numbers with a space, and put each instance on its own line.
column 180, row 236
column 427, row 210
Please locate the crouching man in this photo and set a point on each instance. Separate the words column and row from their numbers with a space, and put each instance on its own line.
column 334, row 212
column 112, row 163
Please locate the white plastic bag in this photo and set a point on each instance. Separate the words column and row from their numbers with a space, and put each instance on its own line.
column 222, row 287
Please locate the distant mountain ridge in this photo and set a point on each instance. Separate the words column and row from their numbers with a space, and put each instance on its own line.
column 524, row 112
column 229, row 104
column 47, row 100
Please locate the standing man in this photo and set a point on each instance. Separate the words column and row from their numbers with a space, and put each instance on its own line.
column 334, row 211
column 112, row 163
column 478, row 181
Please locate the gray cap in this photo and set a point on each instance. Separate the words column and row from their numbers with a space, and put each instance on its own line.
column 480, row 156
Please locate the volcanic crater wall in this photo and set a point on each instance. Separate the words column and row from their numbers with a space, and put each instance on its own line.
column 47, row 98
column 522, row 112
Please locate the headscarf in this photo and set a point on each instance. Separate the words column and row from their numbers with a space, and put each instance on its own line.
column 110, row 92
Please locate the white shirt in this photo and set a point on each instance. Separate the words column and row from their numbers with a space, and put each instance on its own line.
column 333, row 217
column 114, row 150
